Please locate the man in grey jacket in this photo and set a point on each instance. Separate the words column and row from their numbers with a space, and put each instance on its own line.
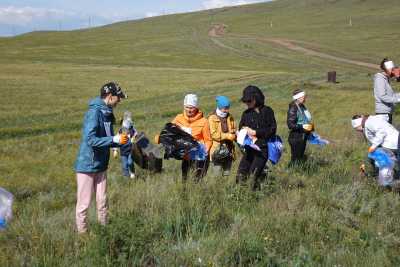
column 385, row 97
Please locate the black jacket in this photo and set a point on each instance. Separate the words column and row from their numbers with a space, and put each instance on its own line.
column 262, row 122
column 292, row 118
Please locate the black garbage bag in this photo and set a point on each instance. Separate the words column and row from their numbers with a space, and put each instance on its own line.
column 223, row 153
column 177, row 143
column 147, row 155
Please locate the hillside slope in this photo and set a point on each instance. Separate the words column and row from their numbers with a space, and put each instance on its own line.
column 169, row 40
column 320, row 214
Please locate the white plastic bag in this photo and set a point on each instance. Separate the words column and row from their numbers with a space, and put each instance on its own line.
column 385, row 177
column 6, row 201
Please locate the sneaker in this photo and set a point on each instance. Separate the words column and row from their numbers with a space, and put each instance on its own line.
column 133, row 176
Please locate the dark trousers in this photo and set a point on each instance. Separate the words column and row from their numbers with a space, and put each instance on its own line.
column 298, row 143
column 389, row 115
column 222, row 168
column 195, row 168
column 252, row 164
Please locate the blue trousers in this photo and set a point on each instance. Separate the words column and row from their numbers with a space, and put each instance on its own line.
column 127, row 165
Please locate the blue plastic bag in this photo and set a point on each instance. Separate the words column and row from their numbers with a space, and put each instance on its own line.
column 198, row 153
column 6, row 200
column 382, row 158
column 3, row 223
column 275, row 148
column 315, row 139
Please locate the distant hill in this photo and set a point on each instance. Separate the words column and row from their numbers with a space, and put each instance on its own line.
column 351, row 28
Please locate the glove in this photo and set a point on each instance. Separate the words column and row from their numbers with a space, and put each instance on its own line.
column 362, row 168
column 157, row 139
column 115, row 153
column 371, row 149
column 121, row 139
column 308, row 127
column 231, row 137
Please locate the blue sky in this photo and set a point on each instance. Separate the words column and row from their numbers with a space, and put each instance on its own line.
column 22, row 16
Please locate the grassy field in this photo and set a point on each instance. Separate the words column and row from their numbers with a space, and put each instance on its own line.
column 321, row 215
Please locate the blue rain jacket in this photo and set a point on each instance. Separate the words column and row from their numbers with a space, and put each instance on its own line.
column 97, row 138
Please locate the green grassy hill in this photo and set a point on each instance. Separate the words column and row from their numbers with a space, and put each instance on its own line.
column 323, row 214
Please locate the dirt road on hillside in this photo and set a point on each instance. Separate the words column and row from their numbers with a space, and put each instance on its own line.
column 219, row 30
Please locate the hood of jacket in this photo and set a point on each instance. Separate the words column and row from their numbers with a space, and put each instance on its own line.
column 253, row 92
column 199, row 115
column 99, row 104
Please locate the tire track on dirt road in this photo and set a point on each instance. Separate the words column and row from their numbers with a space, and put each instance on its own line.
column 219, row 30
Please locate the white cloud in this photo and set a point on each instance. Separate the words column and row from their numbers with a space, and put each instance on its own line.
column 209, row 4
column 25, row 15
column 152, row 14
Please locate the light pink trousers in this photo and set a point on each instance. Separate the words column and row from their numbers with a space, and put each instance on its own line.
column 87, row 184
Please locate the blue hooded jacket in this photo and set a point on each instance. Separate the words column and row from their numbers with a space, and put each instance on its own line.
column 97, row 138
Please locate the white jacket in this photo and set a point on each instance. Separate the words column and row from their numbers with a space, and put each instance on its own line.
column 379, row 132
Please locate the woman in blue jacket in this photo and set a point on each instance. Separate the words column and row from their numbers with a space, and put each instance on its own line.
column 94, row 153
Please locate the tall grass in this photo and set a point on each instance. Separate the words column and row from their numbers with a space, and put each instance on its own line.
column 319, row 214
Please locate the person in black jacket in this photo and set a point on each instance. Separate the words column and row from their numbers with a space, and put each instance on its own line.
column 299, row 124
column 259, row 120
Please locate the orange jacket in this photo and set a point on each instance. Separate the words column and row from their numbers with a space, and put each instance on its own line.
column 198, row 125
column 216, row 132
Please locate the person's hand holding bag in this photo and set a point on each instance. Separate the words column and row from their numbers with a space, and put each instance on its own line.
column 308, row 127
column 121, row 139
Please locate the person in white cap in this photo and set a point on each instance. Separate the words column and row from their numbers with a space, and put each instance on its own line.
column 378, row 131
column 385, row 97
column 300, row 126
column 194, row 123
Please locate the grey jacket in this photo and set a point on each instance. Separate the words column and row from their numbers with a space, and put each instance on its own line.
column 385, row 98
